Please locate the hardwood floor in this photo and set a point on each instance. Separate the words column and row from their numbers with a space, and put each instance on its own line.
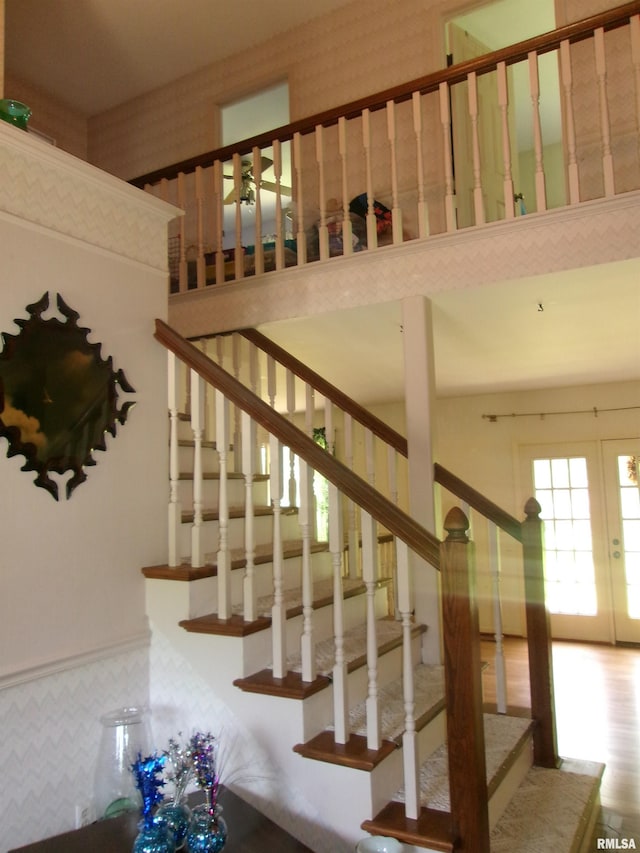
column 597, row 697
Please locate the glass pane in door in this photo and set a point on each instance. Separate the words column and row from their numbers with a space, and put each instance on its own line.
column 562, row 490
column 629, row 485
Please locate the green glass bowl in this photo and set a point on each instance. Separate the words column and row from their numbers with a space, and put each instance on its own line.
column 14, row 112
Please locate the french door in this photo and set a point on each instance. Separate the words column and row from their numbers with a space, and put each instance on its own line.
column 590, row 502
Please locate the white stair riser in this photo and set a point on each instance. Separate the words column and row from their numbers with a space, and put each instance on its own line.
column 509, row 784
column 262, row 533
column 236, row 492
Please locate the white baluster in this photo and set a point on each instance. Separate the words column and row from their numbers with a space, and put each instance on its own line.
column 301, row 248
column 445, row 120
column 503, row 103
column 372, row 229
column 370, row 458
column 352, row 534
column 236, row 355
column 277, row 170
column 237, row 176
column 323, row 231
column 257, row 211
column 309, row 412
column 182, row 203
column 278, row 610
column 307, row 645
column 200, row 195
column 423, row 210
column 223, row 560
column 392, row 469
column 340, row 690
column 396, row 211
column 605, row 125
column 347, row 229
column 478, row 200
column 534, row 88
column 218, row 185
column 291, row 409
column 197, row 427
column 175, row 506
column 248, row 470
column 409, row 738
column 570, row 128
column 494, row 567
column 271, row 380
column 370, row 577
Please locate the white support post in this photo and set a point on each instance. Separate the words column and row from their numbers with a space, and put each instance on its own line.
column 323, row 231
column 175, row 506
column 449, row 194
column 503, row 103
column 300, row 233
column 534, row 88
column 605, row 124
column 347, row 230
column 223, row 561
column 277, row 171
column 200, row 197
column 474, row 115
column 258, row 246
column 248, row 470
column 573, row 180
column 237, row 182
column 197, row 427
column 340, row 689
column 182, row 203
column 372, row 229
column 423, row 210
column 370, row 577
column 218, row 182
column 396, row 211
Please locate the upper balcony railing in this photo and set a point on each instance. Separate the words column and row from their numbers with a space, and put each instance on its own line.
column 548, row 122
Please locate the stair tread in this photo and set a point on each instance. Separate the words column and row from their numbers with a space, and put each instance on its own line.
column 503, row 735
column 550, row 809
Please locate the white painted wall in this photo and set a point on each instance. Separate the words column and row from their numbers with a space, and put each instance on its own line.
column 73, row 629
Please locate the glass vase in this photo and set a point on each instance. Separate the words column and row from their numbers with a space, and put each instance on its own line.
column 153, row 838
column 175, row 816
column 207, row 831
column 125, row 733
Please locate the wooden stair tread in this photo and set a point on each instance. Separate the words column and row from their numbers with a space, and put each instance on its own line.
column 355, row 753
column 187, row 516
column 432, row 828
column 264, row 554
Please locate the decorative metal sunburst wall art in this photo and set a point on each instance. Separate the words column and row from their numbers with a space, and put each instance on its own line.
column 58, row 396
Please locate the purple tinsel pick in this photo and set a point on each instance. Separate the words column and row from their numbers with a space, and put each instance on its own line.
column 145, row 771
column 203, row 755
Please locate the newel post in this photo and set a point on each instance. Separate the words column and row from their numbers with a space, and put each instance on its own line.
column 463, row 689
column 545, row 749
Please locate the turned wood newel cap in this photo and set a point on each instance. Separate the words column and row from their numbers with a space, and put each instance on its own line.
column 456, row 524
column 532, row 509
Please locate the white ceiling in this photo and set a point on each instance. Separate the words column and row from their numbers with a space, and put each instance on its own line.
column 96, row 54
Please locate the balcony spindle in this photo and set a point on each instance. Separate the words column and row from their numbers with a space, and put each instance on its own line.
column 197, row 427
column 423, row 211
column 175, row 506
column 307, row 645
column 182, row 254
column 218, row 190
column 237, row 187
column 352, row 533
column 605, row 124
column 534, row 89
column 200, row 202
column 503, row 103
column 277, row 170
column 223, row 561
column 278, row 610
column 323, row 231
column 372, row 228
column 396, row 211
column 409, row 737
column 449, row 190
column 340, row 690
column 257, row 210
column 370, row 578
column 478, row 199
column 494, row 568
column 291, row 411
column 347, row 229
column 301, row 241
column 248, row 470
column 573, row 179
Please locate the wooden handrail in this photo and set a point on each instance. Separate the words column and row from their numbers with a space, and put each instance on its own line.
column 379, row 428
column 478, row 501
column 611, row 19
column 408, row 530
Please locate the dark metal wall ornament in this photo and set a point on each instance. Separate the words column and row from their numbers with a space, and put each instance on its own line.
column 58, row 396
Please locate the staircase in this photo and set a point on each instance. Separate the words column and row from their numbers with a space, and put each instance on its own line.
column 342, row 694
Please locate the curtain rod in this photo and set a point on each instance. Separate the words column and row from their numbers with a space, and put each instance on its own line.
column 542, row 415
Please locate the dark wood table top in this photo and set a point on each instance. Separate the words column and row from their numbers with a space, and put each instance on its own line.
column 249, row 832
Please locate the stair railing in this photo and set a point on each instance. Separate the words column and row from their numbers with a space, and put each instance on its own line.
column 350, row 155
column 384, row 442
column 461, row 643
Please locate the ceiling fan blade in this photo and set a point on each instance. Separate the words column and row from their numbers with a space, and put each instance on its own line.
column 271, row 187
column 230, row 197
column 265, row 162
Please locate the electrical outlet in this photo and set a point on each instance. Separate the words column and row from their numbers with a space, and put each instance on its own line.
column 84, row 814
